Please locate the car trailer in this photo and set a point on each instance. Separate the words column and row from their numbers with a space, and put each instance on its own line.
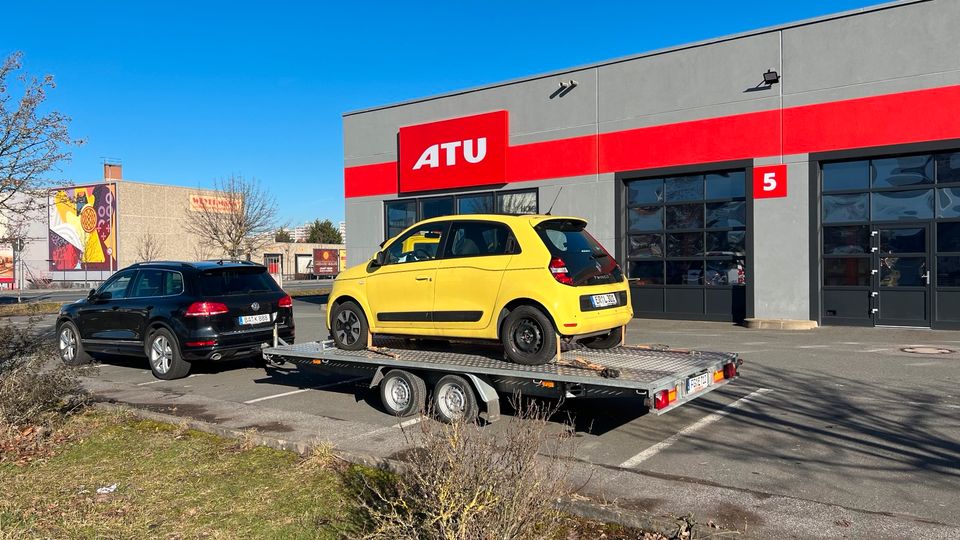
column 457, row 373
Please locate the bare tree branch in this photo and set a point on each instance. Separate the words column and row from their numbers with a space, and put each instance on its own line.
column 239, row 219
column 31, row 142
column 149, row 247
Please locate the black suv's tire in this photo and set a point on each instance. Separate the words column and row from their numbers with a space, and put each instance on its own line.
column 348, row 326
column 69, row 345
column 402, row 393
column 454, row 401
column 163, row 354
column 609, row 341
column 528, row 337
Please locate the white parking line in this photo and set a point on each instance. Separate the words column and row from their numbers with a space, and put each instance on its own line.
column 164, row 380
column 696, row 426
column 300, row 391
column 386, row 429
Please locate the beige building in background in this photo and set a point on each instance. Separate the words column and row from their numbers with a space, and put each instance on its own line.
column 149, row 213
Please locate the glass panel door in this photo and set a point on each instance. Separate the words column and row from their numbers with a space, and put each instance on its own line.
column 901, row 275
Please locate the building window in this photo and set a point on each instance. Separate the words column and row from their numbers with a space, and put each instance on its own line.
column 687, row 230
column 403, row 213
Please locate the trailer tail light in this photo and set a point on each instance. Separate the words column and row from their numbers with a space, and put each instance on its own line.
column 559, row 270
column 285, row 302
column 663, row 398
column 730, row 370
column 718, row 376
column 206, row 309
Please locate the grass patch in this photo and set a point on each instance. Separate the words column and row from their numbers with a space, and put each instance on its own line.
column 30, row 308
column 309, row 292
column 171, row 482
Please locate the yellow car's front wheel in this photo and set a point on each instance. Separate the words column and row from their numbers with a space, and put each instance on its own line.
column 348, row 326
column 528, row 336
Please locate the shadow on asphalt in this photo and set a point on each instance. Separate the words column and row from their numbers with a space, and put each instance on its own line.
column 854, row 429
column 318, row 299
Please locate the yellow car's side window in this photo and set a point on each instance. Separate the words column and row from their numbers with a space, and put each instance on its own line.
column 415, row 245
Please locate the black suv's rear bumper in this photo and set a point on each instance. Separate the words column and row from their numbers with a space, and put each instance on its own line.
column 230, row 347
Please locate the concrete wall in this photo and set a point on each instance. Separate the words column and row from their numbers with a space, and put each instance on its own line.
column 897, row 47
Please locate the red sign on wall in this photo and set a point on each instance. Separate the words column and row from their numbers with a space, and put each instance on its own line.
column 770, row 182
column 326, row 262
column 455, row 153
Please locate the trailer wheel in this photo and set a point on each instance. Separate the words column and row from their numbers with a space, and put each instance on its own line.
column 609, row 341
column 454, row 400
column 349, row 326
column 528, row 337
column 403, row 393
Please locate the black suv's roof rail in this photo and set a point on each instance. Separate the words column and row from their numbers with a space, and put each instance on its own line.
column 165, row 263
column 240, row 261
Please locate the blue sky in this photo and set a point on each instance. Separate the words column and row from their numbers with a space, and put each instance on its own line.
column 186, row 92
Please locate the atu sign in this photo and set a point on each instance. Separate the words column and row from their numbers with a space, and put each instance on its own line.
column 455, row 153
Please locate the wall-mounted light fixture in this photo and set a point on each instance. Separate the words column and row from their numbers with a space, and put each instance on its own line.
column 771, row 77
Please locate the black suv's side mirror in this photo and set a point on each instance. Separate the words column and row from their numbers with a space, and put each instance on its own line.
column 380, row 258
column 91, row 294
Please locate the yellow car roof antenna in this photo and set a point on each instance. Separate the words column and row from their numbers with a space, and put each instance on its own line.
column 559, row 191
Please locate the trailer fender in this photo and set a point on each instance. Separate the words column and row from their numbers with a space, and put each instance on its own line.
column 488, row 394
column 377, row 377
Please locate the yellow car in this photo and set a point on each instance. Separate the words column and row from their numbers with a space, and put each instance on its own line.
column 527, row 281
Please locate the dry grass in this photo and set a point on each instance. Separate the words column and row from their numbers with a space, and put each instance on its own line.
column 30, row 308
column 469, row 482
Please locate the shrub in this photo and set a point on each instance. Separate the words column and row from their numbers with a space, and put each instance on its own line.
column 464, row 482
column 33, row 382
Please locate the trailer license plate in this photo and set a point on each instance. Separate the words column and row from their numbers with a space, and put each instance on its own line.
column 255, row 319
column 603, row 300
column 698, row 383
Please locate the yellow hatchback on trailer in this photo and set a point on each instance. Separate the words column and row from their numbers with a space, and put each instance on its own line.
column 526, row 280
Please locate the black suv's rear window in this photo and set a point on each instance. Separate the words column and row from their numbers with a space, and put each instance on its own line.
column 227, row 281
column 586, row 260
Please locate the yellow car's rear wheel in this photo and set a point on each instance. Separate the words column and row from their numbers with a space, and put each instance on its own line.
column 528, row 337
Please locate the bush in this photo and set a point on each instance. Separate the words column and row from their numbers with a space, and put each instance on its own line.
column 464, row 481
column 33, row 382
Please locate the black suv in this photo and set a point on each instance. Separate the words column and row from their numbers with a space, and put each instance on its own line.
column 176, row 313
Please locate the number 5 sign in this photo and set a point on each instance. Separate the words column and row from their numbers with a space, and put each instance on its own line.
column 770, row 182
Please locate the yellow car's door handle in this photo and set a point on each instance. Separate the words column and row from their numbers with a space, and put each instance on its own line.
column 423, row 278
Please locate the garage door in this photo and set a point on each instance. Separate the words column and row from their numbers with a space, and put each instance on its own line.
column 890, row 241
column 685, row 245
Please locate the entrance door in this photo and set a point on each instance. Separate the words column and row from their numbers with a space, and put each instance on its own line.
column 901, row 274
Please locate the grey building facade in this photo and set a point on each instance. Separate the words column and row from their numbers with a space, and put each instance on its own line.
column 807, row 172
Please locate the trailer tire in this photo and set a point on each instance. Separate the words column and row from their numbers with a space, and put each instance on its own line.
column 528, row 337
column 609, row 341
column 349, row 327
column 454, row 400
column 402, row 393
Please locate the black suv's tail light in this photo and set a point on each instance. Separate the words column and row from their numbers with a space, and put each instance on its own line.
column 206, row 309
column 285, row 302
column 559, row 270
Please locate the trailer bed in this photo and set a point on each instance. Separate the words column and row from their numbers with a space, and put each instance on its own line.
column 643, row 370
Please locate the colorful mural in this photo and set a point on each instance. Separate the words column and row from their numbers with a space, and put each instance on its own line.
column 83, row 231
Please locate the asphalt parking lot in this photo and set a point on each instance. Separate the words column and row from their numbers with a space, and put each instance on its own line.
column 837, row 429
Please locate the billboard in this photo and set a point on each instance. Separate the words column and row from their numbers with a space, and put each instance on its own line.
column 6, row 266
column 83, row 229
column 326, row 262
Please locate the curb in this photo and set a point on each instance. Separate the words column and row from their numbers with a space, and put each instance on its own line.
column 779, row 324
column 606, row 513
